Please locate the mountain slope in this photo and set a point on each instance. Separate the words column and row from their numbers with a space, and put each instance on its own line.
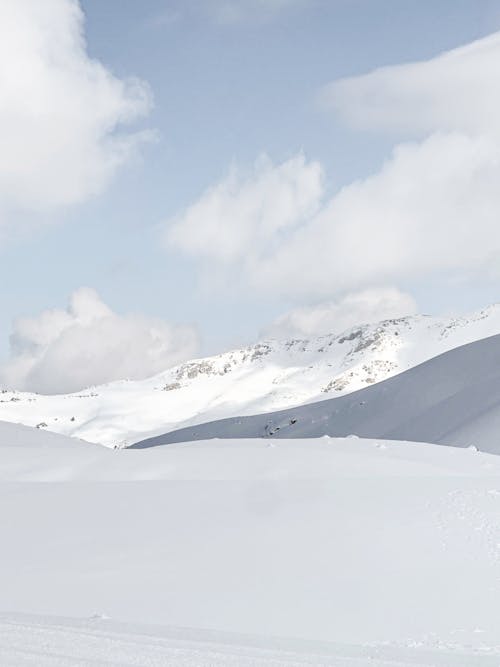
column 270, row 375
column 452, row 399
column 17, row 435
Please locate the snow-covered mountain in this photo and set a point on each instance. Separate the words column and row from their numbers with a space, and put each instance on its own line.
column 270, row 375
column 452, row 399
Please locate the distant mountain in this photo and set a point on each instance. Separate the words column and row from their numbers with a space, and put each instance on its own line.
column 268, row 376
column 452, row 399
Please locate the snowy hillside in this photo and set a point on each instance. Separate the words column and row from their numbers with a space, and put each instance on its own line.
column 268, row 376
column 303, row 552
column 452, row 399
column 350, row 551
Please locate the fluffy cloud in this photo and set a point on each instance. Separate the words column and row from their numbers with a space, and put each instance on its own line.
column 61, row 351
column 364, row 307
column 249, row 211
column 60, row 110
column 432, row 209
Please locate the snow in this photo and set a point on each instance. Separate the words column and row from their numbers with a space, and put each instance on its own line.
column 234, row 552
column 16, row 434
column 452, row 399
column 59, row 642
column 268, row 376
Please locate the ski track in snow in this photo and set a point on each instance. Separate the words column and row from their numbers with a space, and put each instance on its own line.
column 27, row 641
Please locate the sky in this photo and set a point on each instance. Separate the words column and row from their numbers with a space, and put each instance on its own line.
column 182, row 177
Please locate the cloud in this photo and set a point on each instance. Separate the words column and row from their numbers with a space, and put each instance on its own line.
column 457, row 91
column 247, row 211
column 61, row 112
column 431, row 210
column 372, row 305
column 87, row 344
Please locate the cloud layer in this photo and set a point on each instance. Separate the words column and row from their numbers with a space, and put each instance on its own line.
column 61, row 351
column 372, row 305
column 431, row 210
column 60, row 110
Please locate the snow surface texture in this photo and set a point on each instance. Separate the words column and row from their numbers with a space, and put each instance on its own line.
column 271, row 375
column 354, row 552
column 60, row 642
column 452, row 399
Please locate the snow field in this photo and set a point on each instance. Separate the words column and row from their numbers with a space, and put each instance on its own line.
column 387, row 552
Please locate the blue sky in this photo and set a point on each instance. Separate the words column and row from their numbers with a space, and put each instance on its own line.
column 227, row 89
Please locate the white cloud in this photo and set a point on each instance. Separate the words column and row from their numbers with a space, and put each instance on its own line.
column 247, row 211
column 457, row 91
column 431, row 210
column 372, row 305
column 60, row 110
column 86, row 344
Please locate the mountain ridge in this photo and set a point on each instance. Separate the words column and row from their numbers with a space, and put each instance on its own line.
column 267, row 376
column 451, row 399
